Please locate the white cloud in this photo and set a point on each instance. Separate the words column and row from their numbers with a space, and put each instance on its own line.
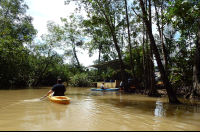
column 45, row 10
column 84, row 58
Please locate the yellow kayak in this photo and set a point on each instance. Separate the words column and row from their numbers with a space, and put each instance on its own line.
column 59, row 99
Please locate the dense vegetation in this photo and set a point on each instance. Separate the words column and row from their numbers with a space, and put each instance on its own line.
column 145, row 35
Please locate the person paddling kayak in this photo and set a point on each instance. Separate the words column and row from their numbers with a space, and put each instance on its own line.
column 58, row 89
column 102, row 86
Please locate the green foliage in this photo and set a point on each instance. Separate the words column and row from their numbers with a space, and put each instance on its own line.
column 182, row 71
column 80, row 80
column 56, row 71
column 182, row 50
column 16, row 29
column 137, row 58
column 96, row 28
column 72, row 37
column 108, row 73
column 39, row 64
column 186, row 14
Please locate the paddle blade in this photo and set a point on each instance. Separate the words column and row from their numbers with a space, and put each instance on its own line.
column 42, row 98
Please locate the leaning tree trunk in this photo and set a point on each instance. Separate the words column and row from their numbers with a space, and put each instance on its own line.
column 153, row 91
column 171, row 93
column 75, row 55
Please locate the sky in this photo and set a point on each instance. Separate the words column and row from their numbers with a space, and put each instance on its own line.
column 45, row 10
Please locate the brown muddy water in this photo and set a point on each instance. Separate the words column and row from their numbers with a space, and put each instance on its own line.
column 22, row 110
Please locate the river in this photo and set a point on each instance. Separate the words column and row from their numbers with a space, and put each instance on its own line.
column 22, row 110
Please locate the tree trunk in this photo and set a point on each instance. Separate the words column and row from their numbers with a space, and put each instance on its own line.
column 124, row 79
column 196, row 71
column 130, row 49
column 171, row 93
column 112, row 30
column 160, row 29
column 144, row 68
column 147, row 56
column 153, row 91
column 75, row 55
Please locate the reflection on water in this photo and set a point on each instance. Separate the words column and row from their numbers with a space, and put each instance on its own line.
column 159, row 110
column 88, row 110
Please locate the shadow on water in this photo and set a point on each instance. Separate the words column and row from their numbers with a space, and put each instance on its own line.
column 159, row 107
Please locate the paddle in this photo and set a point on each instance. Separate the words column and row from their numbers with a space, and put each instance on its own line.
column 46, row 94
column 42, row 98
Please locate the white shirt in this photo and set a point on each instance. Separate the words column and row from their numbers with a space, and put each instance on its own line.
column 102, row 85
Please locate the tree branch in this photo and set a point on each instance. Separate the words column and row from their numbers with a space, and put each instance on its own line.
column 136, row 13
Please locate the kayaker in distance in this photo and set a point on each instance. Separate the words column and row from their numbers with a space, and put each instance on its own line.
column 58, row 89
column 102, row 86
